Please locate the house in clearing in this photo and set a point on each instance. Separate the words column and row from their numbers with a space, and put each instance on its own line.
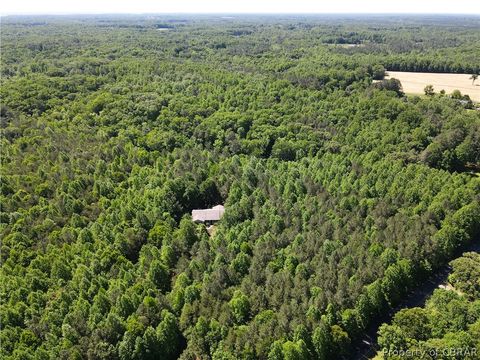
column 208, row 216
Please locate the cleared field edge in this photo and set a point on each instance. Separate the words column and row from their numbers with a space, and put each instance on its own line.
column 415, row 82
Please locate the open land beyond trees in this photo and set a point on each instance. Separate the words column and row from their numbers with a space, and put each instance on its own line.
column 415, row 82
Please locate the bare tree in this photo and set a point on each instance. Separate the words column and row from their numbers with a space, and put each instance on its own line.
column 473, row 78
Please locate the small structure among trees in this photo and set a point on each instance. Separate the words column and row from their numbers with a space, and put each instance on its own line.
column 208, row 216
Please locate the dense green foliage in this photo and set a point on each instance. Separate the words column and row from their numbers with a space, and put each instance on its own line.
column 341, row 195
column 449, row 324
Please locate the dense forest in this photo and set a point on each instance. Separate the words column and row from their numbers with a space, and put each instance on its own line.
column 342, row 194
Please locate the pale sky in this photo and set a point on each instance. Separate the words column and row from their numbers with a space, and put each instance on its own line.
column 238, row 6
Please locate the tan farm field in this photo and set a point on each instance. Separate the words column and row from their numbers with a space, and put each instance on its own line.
column 415, row 82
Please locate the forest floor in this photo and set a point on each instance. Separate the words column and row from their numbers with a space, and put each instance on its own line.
column 415, row 82
column 368, row 349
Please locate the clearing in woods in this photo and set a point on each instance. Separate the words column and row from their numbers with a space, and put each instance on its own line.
column 415, row 82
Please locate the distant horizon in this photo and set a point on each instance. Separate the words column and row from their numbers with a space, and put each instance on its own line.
column 238, row 14
column 261, row 7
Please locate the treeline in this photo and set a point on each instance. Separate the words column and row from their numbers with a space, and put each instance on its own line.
column 438, row 62
column 341, row 195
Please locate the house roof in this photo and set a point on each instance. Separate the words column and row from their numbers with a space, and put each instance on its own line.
column 213, row 214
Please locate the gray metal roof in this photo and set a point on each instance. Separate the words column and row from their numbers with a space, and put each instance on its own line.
column 213, row 214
